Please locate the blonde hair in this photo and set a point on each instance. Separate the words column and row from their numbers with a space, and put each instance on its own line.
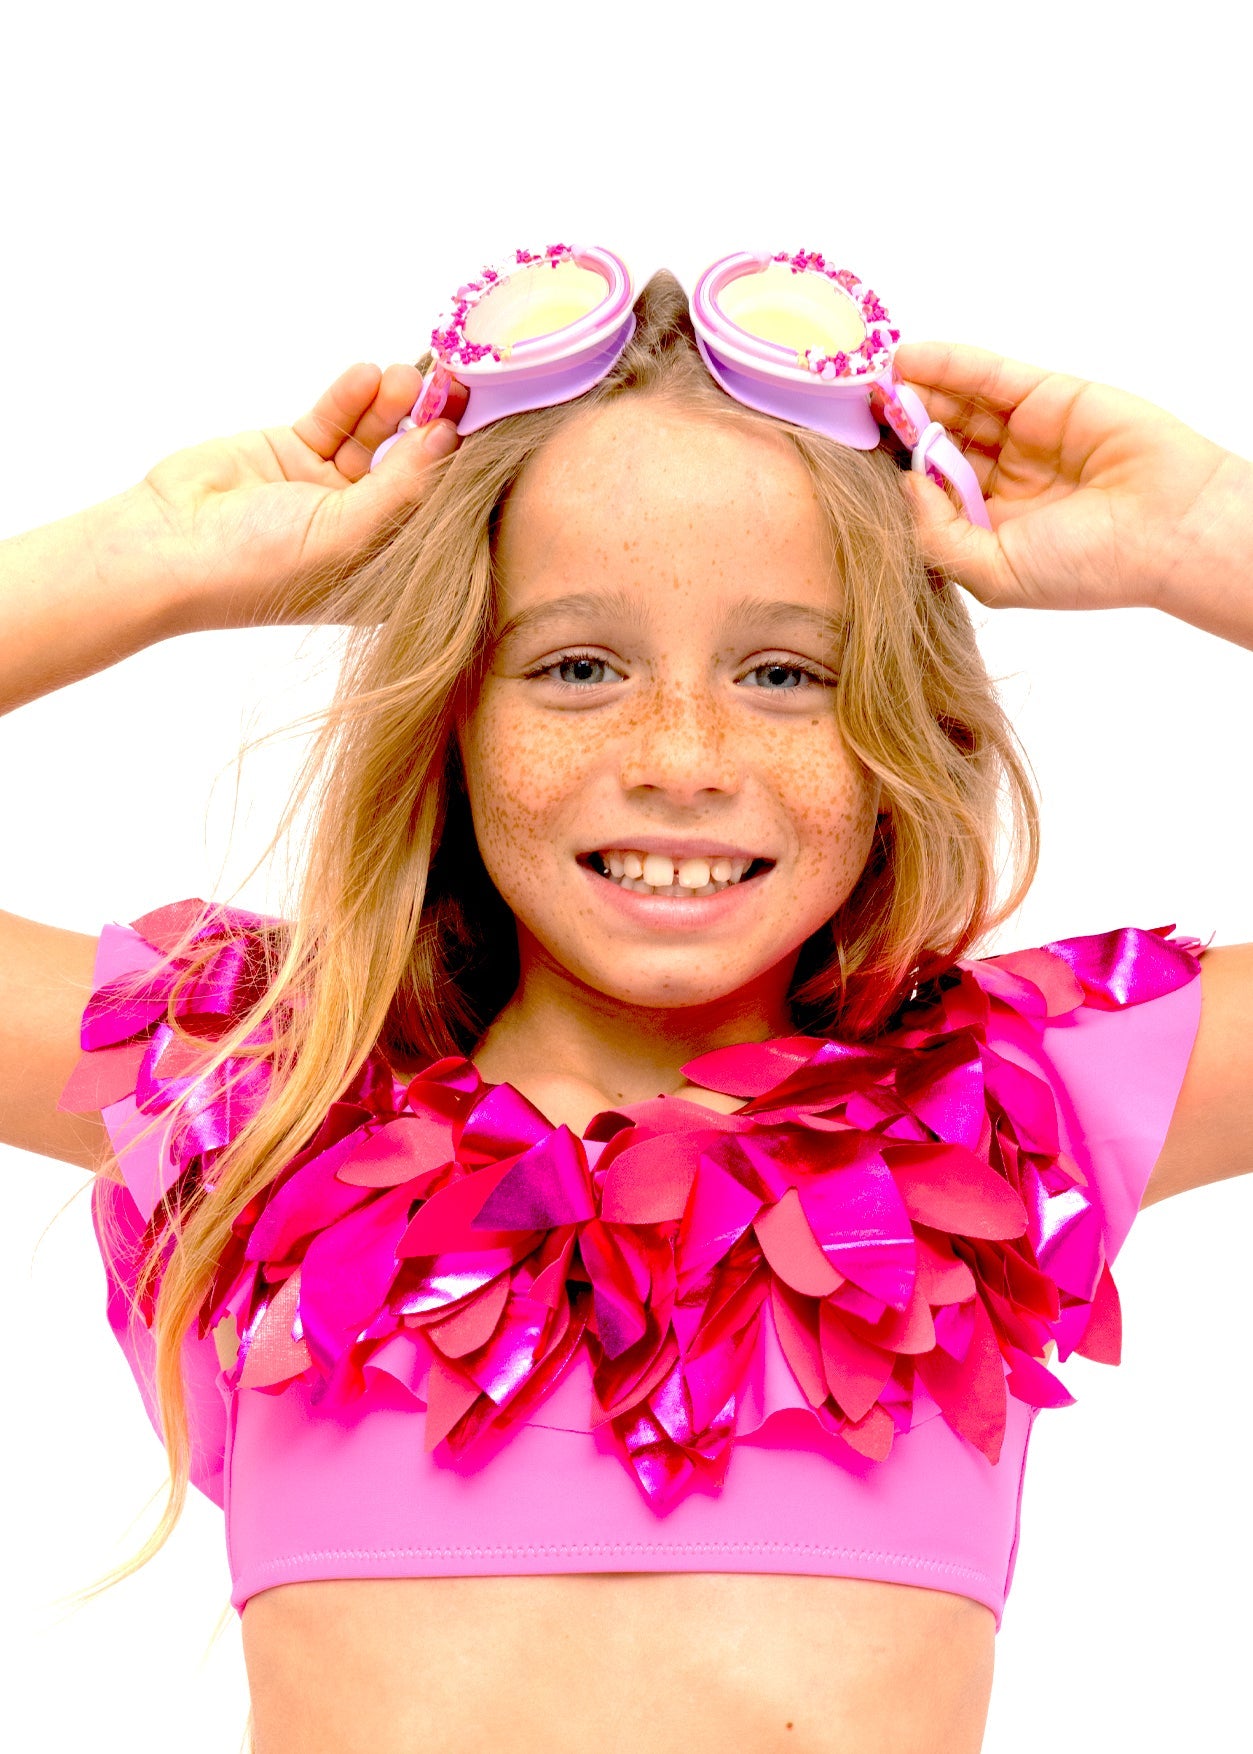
column 398, row 940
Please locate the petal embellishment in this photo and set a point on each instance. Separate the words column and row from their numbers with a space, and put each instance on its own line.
column 949, row 1188
column 796, row 1326
column 547, row 1186
column 474, row 1323
column 791, row 1248
column 115, row 1012
column 856, row 1370
column 445, row 1221
column 649, row 1183
column 751, row 1068
column 502, row 1123
column 398, row 1152
column 908, row 1331
column 270, row 1355
column 1030, row 1381
column 347, row 1272
column 103, row 1077
column 1126, row 966
column 507, row 1360
column 450, row 1394
column 971, row 1392
column 942, row 1276
column 620, row 1317
column 1102, row 1338
column 308, row 1201
column 1056, row 982
column 1027, row 1100
column 1070, row 1246
column 872, row 1434
column 863, row 1228
column 718, row 1212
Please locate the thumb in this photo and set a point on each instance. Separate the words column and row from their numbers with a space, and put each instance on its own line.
column 402, row 476
column 953, row 545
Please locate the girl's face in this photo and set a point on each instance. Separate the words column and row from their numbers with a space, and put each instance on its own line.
column 663, row 686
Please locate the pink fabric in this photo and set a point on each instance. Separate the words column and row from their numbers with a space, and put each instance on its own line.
column 319, row 1484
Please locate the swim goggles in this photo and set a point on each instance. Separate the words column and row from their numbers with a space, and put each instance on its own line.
column 787, row 335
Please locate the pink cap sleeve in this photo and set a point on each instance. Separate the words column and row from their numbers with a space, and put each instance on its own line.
column 123, row 1031
column 1120, row 1074
column 1114, row 1038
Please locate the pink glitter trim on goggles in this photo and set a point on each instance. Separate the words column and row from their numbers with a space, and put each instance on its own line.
column 846, row 391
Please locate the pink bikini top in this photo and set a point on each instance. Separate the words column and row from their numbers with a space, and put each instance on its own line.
column 809, row 1336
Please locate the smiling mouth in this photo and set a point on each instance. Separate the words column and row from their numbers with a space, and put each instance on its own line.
column 681, row 879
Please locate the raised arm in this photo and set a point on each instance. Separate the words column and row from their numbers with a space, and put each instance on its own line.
column 1099, row 500
column 233, row 533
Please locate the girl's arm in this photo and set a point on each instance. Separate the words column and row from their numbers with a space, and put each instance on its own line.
column 1099, row 500
column 231, row 533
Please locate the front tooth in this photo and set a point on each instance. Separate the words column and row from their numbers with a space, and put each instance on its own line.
column 694, row 873
column 615, row 862
column 657, row 870
column 632, row 866
column 720, row 871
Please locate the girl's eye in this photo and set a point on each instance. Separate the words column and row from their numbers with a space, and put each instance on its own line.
column 784, row 678
column 576, row 670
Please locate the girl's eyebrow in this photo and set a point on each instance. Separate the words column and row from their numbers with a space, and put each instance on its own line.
column 621, row 604
column 766, row 613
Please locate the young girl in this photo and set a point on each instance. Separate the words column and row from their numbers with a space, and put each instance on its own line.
column 606, row 1247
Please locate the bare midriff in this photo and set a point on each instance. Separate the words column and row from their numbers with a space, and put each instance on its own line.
column 668, row 1662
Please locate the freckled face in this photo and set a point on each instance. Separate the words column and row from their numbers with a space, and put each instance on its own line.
column 688, row 693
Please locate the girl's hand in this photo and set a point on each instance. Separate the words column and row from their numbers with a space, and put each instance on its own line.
column 1097, row 499
column 249, row 529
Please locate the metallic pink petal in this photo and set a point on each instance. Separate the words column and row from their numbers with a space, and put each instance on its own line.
column 949, row 1188
column 796, row 1323
column 856, row 1370
column 347, row 1272
column 1030, row 1381
column 620, row 1315
column 458, row 1275
column 473, row 1325
column 502, row 1366
column 718, row 1212
column 942, row 1277
column 408, row 1146
column 791, row 1248
column 863, row 1229
column 750, row 1068
column 502, row 1123
column 971, row 1393
column 304, row 1204
column 271, row 1355
column 649, row 1183
column 446, row 1220
column 547, row 1186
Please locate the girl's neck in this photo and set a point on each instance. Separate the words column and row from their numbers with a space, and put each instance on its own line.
column 555, row 1026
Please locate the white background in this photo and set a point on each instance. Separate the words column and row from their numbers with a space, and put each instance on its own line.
column 209, row 212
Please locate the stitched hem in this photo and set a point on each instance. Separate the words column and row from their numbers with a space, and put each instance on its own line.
column 272, row 1571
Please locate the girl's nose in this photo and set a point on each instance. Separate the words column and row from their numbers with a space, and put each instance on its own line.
column 680, row 748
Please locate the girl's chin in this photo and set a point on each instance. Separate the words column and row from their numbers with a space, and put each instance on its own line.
column 675, row 977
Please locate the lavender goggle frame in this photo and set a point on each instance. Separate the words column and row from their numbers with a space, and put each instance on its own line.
column 846, row 394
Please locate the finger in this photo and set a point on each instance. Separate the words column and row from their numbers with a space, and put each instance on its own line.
column 398, row 390
column 970, row 376
column 958, row 548
column 335, row 414
column 402, row 478
column 978, row 429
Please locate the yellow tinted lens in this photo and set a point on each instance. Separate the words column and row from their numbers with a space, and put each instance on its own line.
column 799, row 311
column 536, row 299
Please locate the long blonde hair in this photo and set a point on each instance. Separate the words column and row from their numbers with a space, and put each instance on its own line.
column 398, row 940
